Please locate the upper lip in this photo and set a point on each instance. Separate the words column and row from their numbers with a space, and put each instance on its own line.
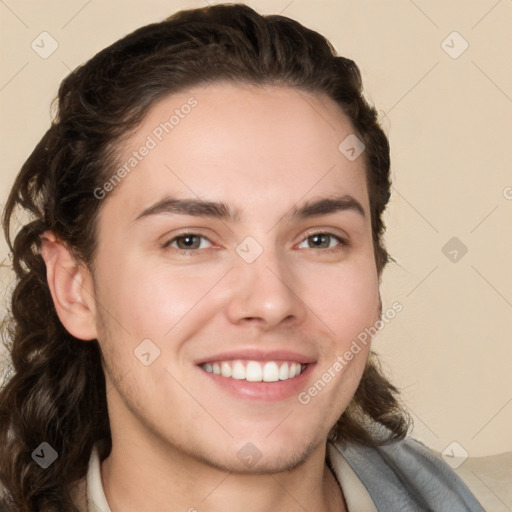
column 258, row 355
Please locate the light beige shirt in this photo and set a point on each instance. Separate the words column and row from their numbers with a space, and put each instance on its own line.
column 356, row 495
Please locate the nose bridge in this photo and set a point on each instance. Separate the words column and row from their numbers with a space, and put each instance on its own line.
column 263, row 287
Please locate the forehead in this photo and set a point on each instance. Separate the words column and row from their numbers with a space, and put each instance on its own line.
column 251, row 146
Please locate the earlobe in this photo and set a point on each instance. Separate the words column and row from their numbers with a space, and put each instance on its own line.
column 70, row 285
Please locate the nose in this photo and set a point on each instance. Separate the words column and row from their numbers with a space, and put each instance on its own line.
column 265, row 292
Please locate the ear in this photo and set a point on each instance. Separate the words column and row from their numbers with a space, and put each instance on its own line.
column 71, row 286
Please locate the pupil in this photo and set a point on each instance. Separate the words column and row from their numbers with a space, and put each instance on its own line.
column 319, row 240
column 189, row 241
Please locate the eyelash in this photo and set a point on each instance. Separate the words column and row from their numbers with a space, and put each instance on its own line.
column 342, row 242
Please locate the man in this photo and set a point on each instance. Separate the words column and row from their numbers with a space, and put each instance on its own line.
column 204, row 255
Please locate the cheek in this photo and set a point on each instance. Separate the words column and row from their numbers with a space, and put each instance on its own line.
column 345, row 298
column 148, row 300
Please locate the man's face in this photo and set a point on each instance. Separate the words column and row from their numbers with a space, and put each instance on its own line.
column 271, row 291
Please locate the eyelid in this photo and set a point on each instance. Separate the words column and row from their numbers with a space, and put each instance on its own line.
column 342, row 238
column 168, row 240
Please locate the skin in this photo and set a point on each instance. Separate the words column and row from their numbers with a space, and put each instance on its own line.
column 176, row 432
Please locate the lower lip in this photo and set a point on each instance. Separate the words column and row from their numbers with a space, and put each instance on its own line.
column 267, row 391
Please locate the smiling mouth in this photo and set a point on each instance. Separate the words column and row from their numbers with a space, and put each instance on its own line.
column 255, row 371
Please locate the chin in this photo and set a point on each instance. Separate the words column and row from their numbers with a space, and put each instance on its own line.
column 262, row 456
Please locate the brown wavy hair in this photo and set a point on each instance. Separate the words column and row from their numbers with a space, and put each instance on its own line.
column 54, row 390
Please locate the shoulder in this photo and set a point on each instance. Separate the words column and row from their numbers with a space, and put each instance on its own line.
column 405, row 475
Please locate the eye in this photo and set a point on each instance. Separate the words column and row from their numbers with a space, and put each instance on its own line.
column 322, row 241
column 189, row 242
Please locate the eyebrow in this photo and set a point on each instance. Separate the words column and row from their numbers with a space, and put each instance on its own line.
column 193, row 207
column 213, row 209
column 326, row 206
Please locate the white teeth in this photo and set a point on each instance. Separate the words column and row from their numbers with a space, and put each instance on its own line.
column 225, row 370
column 294, row 370
column 283, row 372
column 271, row 372
column 238, row 371
column 255, row 371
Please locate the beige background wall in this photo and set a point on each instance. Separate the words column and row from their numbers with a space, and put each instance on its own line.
column 448, row 119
